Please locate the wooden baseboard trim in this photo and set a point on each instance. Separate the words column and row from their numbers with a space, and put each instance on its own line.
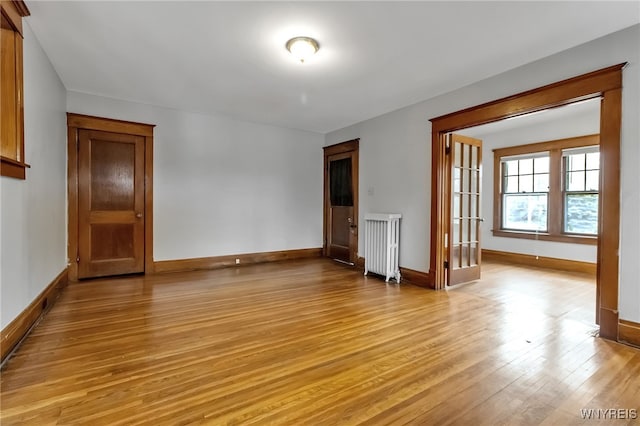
column 540, row 261
column 18, row 329
column 419, row 278
column 218, row 262
column 629, row 332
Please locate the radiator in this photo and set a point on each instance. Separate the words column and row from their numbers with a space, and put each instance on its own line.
column 381, row 243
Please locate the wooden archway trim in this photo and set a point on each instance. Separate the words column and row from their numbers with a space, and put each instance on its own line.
column 605, row 83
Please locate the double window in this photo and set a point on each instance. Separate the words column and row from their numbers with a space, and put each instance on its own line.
column 548, row 190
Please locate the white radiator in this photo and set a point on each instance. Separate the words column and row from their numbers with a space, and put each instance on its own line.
column 381, row 243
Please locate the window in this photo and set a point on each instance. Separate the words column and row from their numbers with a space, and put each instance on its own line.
column 12, row 126
column 582, row 178
column 525, row 202
column 548, row 190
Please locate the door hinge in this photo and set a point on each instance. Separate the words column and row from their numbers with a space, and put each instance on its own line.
column 447, row 150
column 78, row 259
column 446, row 264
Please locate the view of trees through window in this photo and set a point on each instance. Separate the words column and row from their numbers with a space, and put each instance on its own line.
column 581, row 192
column 549, row 188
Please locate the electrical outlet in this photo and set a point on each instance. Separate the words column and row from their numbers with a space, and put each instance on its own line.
column 237, row 261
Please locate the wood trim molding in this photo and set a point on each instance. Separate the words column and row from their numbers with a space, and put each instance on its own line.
column 109, row 125
column 14, row 11
column 339, row 148
column 540, row 261
column 582, row 87
column 606, row 84
column 75, row 122
column 563, row 238
column 411, row 276
column 419, row 278
column 13, row 168
column 18, row 329
column 629, row 332
column 566, row 143
column 218, row 262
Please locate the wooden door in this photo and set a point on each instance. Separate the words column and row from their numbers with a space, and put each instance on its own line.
column 341, row 201
column 464, row 250
column 111, row 227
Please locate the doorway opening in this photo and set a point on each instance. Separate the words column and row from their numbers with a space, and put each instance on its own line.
column 341, row 202
column 539, row 186
column 605, row 84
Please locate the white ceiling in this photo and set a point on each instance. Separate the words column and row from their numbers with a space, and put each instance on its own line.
column 375, row 57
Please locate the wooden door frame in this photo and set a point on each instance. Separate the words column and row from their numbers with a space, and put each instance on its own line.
column 606, row 84
column 76, row 122
column 352, row 146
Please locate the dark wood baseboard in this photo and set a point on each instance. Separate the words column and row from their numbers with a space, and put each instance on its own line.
column 419, row 278
column 217, row 262
column 629, row 332
column 17, row 329
column 540, row 261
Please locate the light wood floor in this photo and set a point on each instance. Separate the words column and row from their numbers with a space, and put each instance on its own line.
column 313, row 342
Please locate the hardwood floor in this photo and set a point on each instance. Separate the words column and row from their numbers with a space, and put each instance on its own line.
column 313, row 342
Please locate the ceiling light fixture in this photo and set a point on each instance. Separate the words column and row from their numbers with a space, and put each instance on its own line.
column 302, row 48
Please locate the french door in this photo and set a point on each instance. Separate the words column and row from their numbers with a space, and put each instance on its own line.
column 463, row 243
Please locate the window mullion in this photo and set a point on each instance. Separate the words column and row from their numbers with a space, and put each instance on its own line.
column 556, row 205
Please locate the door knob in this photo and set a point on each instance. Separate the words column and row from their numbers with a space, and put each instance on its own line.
column 138, row 215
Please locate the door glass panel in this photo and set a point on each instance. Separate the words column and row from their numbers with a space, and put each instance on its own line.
column 465, row 205
column 456, row 180
column 466, row 156
column 474, row 157
column 474, row 206
column 474, row 254
column 455, row 256
column 340, row 185
column 465, row 230
column 474, row 230
column 456, row 230
column 456, row 205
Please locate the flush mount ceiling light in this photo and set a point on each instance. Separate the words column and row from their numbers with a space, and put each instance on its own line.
column 302, row 48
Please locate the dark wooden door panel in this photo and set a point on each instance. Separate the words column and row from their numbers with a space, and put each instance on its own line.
column 341, row 217
column 110, row 203
column 341, row 198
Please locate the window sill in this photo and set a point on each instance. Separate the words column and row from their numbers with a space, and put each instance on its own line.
column 12, row 168
column 564, row 238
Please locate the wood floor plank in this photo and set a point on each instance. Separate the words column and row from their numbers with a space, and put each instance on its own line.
column 313, row 342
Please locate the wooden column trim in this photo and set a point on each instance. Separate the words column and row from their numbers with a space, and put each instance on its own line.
column 609, row 224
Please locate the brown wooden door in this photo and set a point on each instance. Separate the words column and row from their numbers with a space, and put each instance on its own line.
column 341, row 201
column 110, row 203
column 464, row 251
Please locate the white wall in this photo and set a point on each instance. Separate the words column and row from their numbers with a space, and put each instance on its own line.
column 395, row 153
column 33, row 223
column 556, row 127
column 223, row 186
